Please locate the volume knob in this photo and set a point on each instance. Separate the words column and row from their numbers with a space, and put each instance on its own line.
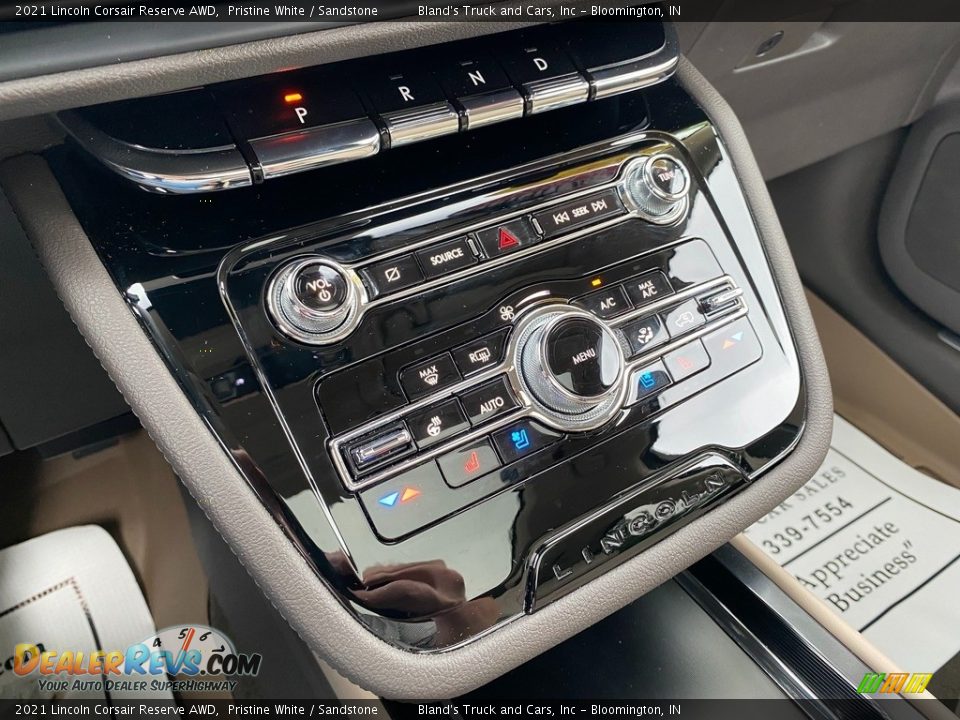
column 315, row 300
column 657, row 186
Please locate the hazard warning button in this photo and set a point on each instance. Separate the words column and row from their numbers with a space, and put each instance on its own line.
column 508, row 237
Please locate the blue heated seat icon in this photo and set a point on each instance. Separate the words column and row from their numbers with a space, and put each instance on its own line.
column 520, row 439
column 647, row 380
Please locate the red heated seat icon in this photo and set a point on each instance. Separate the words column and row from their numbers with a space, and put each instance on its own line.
column 473, row 463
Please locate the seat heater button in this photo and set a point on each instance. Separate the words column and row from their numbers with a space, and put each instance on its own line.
column 686, row 361
column 464, row 464
column 446, row 257
column 488, row 401
column 429, row 376
column 521, row 439
column 437, row 423
column 650, row 380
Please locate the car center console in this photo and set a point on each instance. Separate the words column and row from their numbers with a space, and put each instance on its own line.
column 473, row 354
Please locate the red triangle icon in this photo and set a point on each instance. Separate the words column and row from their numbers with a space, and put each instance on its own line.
column 507, row 239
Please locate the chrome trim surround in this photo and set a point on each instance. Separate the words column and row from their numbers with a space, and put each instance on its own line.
column 489, row 108
column 637, row 171
column 167, row 172
column 409, row 126
column 316, row 147
column 310, row 326
column 629, row 76
column 557, row 92
column 529, row 408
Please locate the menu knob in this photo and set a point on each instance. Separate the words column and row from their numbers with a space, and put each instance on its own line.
column 572, row 366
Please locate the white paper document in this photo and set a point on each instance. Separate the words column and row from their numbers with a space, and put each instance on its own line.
column 880, row 543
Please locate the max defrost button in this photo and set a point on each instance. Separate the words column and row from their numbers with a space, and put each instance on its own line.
column 488, row 401
column 428, row 376
column 468, row 463
column 446, row 257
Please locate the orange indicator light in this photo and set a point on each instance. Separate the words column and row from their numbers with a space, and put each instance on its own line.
column 292, row 97
column 596, row 282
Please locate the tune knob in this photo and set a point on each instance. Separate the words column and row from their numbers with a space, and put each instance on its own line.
column 657, row 186
column 315, row 300
column 571, row 366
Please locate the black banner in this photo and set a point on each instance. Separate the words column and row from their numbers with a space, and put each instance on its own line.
column 688, row 709
column 17, row 14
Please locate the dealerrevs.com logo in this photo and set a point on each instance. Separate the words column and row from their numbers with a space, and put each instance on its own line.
column 894, row 683
column 173, row 659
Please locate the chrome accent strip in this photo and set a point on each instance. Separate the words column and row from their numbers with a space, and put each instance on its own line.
column 629, row 76
column 409, row 126
column 556, row 92
column 168, row 172
column 490, row 108
column 528, row 408
column 381, row 445
column 716, row 302
column 316, row 147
